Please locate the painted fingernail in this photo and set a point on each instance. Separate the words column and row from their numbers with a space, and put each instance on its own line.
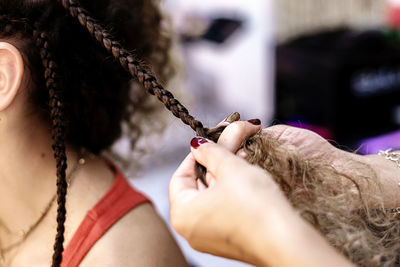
column 255, row 121
column 197, row 141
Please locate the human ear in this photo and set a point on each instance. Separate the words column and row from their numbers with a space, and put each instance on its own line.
column 11, row 73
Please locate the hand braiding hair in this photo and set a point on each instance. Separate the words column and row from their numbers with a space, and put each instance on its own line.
column 341, row 214
column 334, row 211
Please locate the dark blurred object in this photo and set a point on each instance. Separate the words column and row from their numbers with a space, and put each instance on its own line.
column 218, row 30
column 347, row 82
column 221, row 29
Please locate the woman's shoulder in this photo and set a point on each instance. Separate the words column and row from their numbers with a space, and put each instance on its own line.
column 140, row 238
column 136, row 237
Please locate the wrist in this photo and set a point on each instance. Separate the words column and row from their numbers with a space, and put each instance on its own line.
column 275, row 236
column 387, row 173
column 295, row 243
column 368, row 170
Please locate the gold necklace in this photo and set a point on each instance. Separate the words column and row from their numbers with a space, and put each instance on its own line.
column 26, row 234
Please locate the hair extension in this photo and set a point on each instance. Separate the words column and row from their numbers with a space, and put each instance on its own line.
column 58, row 135
column 352, row 219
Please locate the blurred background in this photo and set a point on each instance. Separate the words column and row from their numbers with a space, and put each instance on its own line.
column 329, row 66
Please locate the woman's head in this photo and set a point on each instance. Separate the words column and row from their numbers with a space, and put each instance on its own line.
column 96, row 93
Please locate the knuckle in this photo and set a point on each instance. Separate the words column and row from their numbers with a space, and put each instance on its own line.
column 236, row 128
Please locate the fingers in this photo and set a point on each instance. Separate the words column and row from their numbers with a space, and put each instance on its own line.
column 236, row 133
column 231, row 118
column 184, row 179
column 220, row 162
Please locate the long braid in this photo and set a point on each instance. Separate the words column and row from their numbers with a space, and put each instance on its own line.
column 58, row 135
column 133, row 66
column 10, row 26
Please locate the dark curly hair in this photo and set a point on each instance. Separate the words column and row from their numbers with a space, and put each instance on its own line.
column 79, row 86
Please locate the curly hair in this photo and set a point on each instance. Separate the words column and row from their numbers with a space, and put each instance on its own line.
column 82, row 76
column 347, row 209
column 96, row 93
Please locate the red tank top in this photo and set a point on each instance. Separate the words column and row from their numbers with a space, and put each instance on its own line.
column 119, row 200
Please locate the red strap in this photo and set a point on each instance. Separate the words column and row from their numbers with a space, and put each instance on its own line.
column 120, row 199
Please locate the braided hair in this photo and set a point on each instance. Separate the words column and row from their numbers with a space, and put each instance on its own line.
column 86, row 107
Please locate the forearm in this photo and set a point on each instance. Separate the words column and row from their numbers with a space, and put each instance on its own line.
column 294, row 243
column 388, row 175
column 371, row 173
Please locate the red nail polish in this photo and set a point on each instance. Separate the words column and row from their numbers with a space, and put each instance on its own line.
column 197, row 141
column 255, row 121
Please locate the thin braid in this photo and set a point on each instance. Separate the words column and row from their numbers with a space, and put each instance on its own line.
column 58, row 135
column 129, row 63
column 10, row 26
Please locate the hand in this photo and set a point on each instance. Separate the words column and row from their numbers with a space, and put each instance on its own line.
column 308, row 144
column 218, row 219
column 313, row 147
column 243, row 215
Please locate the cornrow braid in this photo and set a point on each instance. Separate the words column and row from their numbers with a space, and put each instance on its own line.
column 58, row 135
column 132, row 65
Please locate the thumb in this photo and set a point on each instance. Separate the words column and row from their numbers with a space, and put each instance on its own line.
column 219, row 161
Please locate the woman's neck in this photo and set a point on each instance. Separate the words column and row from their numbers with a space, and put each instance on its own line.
column 27, row 173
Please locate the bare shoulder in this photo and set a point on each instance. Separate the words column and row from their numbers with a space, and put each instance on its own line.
column 140, row 238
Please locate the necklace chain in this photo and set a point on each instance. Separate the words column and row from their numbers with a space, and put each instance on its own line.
column 26, row 234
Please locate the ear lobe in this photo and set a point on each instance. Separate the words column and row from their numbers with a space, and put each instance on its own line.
column 11, row 73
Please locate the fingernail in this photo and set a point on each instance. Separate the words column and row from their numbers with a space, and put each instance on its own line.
column 235, row 116
column 197, row 141
column 255, row 121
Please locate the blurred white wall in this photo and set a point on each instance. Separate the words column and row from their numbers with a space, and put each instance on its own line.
column 240, row 69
